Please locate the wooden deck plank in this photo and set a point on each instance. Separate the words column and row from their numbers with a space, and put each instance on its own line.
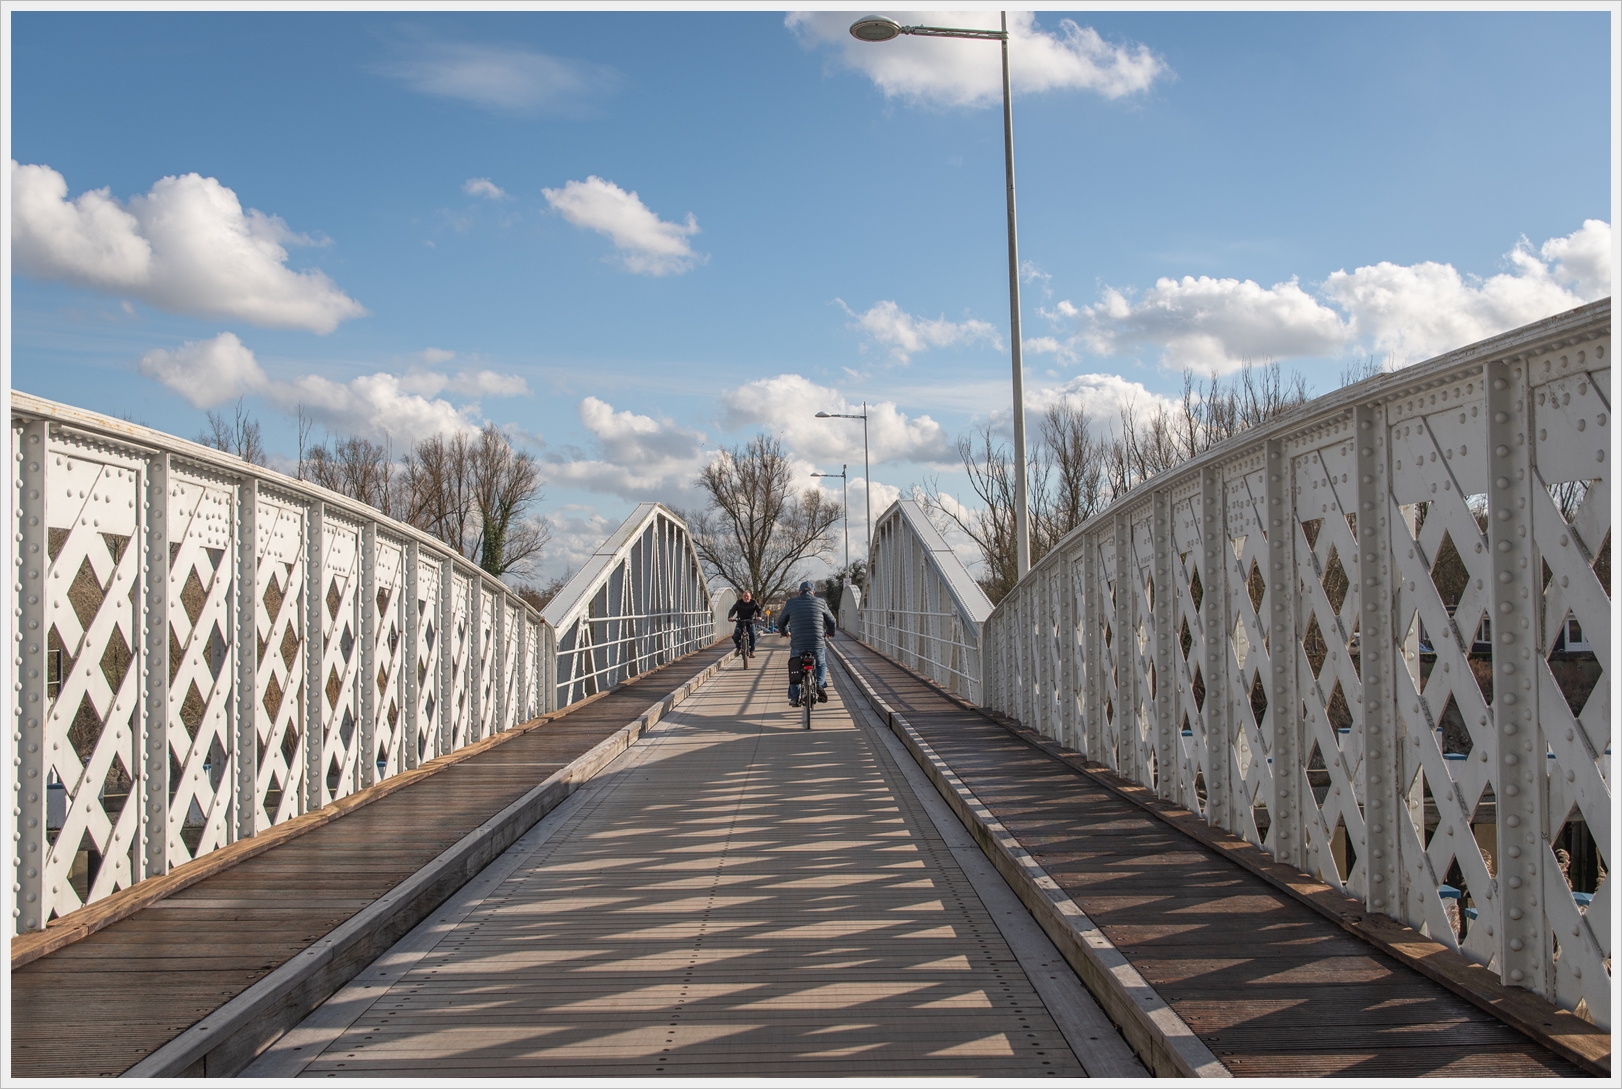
column 751, row 900
column 331, row 871
column 1219, row 944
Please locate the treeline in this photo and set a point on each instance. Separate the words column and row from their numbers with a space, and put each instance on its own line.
column 472, row 491
column 1074, row 471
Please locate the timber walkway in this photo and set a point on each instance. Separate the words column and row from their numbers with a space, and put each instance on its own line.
column 102, row 1005
column 735, row 897
column 1272, row 987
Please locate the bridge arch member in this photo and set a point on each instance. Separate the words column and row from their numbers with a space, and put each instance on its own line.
column 639, row 602
column 1346, row 636
column 923, row 608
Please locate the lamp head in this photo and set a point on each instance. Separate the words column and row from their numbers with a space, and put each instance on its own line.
column 824, row 415
column 874, row 28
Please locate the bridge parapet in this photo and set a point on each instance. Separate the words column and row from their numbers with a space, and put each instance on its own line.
column 1373, row 638
column 923, row 608
column 205, row 649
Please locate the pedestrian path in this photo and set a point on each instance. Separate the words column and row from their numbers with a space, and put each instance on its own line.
column 735, row 897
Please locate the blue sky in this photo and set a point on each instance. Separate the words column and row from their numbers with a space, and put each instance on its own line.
column 632, row 238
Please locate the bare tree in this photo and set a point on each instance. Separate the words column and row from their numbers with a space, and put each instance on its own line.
column 238, row 434
column 473, row 494
column 354, row 466
column 539, row 597
column 1073, row 475
column 505, row 483
column 757, row 530
column 436, row 479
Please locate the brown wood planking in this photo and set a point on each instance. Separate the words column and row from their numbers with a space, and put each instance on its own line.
column 332, row 870
column 1208, row 934
column 748, row 899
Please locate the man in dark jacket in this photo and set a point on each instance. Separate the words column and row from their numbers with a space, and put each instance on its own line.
column 807, row 622
column 745, row 612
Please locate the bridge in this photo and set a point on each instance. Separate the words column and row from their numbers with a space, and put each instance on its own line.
column 1295, row 761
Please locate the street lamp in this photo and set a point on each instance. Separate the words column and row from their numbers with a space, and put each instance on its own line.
column 867, row 476
column 844, row 480
column 879, row 29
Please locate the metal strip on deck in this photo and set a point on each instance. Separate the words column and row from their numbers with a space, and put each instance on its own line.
column 102, row 1005
column 1273, row 988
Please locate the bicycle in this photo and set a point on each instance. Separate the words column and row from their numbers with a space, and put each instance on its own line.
column 803, row 672
column 746, row 647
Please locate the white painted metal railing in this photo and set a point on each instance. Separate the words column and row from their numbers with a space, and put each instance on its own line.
column 205, row 649
column 1243, row 635
column 639, row 602
column 923, row 608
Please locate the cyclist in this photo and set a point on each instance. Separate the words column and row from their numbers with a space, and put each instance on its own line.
column 807, row 623
column 744, row 611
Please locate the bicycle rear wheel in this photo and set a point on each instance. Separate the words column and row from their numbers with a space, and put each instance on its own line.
column 808, row 698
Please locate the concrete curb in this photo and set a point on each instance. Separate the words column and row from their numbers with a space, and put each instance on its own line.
column 1165, row 1043
column 229, row 1038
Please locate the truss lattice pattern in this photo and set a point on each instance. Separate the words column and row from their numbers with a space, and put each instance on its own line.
column 205, row 649
column 1372, row 638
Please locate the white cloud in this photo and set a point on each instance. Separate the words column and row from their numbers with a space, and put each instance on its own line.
column 405, row 408
column 788, row 403
column 504, row 79
column 1414, row 312
column 207, row 373
column 483, row 187
column 1583, row 258
column 646, row 243
column 468, row 383
column 888, row 325
column 1408, row 312
column 1100, row 396
column 1209, row 324
column 186, row 247
column 435, row 356
column 959, row 72
column 636, row 457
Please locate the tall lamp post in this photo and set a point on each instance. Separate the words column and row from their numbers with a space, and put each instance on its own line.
column 867, row 480
column 879, row 29
column 844, row 481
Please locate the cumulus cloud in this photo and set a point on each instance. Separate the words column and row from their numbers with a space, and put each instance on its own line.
column 500, row 78
column 634, row 456
column 209, row 373
column 1210, row 324
column 483, row 187
column 186, row 247
column 1101, row 397
column 787, row 405
column 1406, row 312
column 1413, row 312
column 647, row 244
column 889, row 326
column 959, row 72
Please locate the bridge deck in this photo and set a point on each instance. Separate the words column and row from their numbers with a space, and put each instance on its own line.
column 736, row 897
column 1271, row 987
column 101, row 1005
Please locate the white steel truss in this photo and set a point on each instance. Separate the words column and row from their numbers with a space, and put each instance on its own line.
column 639, row 602
column 923, row 608
column 1373, row 638
column 205, row 649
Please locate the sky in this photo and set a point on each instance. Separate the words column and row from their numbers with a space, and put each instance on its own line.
column 635, row 239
